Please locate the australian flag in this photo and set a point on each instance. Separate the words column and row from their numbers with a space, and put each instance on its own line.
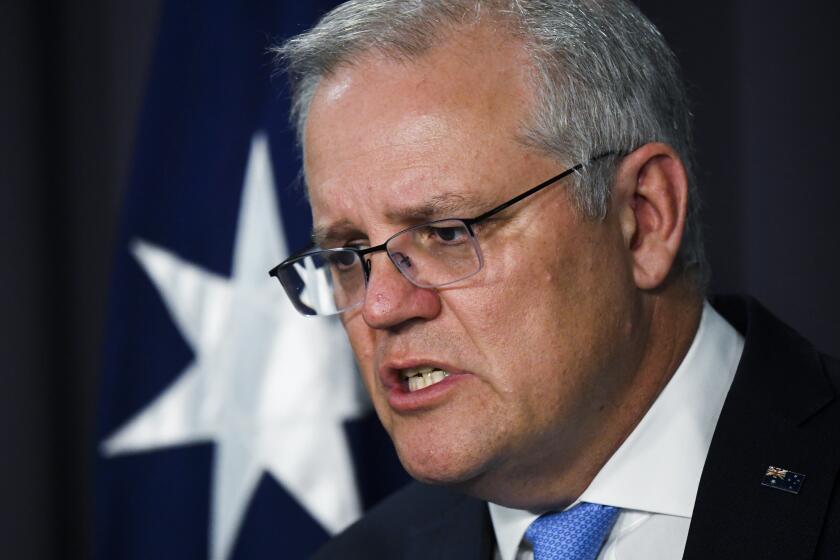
column 229, row 426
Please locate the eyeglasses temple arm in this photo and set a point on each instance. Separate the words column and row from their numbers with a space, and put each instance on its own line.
column 526, row 194
column 539, row 187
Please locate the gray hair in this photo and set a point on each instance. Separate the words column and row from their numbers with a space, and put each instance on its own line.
column 605, row 81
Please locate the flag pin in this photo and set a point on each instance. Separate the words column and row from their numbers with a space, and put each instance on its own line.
column 783, row 479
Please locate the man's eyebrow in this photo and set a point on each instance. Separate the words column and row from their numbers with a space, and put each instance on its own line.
column 335, row 232
column 444, row 205
column 440, row 206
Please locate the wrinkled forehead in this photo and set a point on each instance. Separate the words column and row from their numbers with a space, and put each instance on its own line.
column 383, row 127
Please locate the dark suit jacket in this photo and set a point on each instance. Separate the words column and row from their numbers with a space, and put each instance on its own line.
column 782, row 410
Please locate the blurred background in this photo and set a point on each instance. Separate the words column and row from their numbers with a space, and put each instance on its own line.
column 89, row 102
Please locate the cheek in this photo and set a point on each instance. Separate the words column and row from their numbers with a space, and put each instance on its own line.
column 543, row 307
column 522, row 296
column 514, row 333
column 362, row 341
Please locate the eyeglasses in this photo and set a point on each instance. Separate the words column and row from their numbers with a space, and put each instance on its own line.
column 322, row 282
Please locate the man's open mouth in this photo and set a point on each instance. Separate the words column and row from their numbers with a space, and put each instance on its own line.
column 422, row 377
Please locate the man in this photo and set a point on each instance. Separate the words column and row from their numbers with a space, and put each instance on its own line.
column 543, row 358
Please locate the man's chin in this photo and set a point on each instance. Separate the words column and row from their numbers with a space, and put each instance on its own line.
column 441, row 447
column 483, row 479
column 438, row 469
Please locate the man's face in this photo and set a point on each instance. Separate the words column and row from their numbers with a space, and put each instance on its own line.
column 538, row 345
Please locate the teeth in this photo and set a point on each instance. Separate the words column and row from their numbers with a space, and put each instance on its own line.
column 422, row 377
column 411, row 372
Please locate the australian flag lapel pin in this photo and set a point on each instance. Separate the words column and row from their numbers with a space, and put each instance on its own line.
column 783, row 479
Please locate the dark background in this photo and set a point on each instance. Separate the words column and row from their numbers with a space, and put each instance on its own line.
column 761, row 75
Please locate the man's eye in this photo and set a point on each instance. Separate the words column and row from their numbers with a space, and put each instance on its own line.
column 343, row 260
column 448, row 234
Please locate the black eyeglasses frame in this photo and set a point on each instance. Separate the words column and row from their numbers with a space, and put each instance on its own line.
column 468, row 222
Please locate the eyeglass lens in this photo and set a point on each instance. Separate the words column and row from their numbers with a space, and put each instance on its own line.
column 429, row 255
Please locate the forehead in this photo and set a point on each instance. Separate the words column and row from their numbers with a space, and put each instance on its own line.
column 385, row 135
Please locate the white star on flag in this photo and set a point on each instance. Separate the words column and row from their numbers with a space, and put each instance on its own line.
column 268, row 386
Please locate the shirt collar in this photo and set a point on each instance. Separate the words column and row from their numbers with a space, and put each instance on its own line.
column 657, row 468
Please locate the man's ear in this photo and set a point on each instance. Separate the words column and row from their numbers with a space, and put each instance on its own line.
column 650, row 198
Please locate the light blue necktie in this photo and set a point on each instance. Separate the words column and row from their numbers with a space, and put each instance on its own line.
column 574, row 534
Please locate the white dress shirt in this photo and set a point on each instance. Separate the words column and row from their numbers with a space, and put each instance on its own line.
column 654, row 474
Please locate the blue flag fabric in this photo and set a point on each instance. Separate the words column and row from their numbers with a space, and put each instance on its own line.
column 229, row 427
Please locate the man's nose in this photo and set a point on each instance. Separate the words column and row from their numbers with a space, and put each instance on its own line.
column 391, row 299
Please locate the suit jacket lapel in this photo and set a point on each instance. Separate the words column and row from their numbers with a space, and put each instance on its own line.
column 771, row 417
column 462, row 532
